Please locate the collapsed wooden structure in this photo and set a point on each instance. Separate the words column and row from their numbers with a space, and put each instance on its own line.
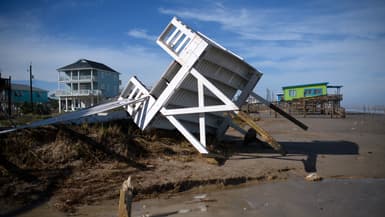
column 197, row 94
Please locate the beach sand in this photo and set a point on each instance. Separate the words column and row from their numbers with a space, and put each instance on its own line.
column 350, row 149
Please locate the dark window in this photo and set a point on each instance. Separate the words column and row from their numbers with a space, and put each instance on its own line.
column 313, row 92
column 307, row 92
column 292, row 93
column 18, row 93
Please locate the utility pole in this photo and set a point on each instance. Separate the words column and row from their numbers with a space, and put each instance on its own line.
column 9, row 86
column 30, row 84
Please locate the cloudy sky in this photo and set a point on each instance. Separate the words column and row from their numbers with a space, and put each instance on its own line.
column 290, row 42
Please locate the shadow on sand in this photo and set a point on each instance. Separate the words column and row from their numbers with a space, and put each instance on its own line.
column 47, row 185
column 310, row 150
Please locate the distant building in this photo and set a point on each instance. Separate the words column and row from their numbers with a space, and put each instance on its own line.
column 85, row 83
column 20, row 93
column 313, row 98
column 5, row 95
column 279, row 97
column 304, row 90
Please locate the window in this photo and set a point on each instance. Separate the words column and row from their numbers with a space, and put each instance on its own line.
column 292, row 93
column 313, row 92
column 18, row 93
column 318, row 92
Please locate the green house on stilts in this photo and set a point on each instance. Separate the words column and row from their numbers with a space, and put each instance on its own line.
column 312, row 99
column 304, row 90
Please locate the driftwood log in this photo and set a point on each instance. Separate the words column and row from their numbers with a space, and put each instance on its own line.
column 125, row 199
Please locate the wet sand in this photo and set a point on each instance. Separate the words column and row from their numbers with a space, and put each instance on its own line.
column 331, row 197
column 294, row 197
column 348, row 153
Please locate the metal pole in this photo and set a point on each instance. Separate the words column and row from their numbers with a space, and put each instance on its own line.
column 30, row 84
column 9, row 87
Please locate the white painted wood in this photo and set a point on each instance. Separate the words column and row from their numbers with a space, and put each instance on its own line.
column 187, row 134
column 241, row 99
column 201, row 104
column 176, row 31
column 174, row 42
column 182, row 44
column 79, row 114
column 198, row 63
column 197, row 110
column 213, row 89
column 175, row 82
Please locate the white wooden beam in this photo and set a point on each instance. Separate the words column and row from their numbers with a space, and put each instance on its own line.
column 79, row 114
column 187, row 134
column 241, row 99
column 214, row 89
column 198, row 110
column 177, row 38
column 176, row 31
column 181, row 44
column 201, row 104
column 176, row 81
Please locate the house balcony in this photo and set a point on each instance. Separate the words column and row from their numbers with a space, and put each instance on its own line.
column 336, row 97
column 81, row 78
column 78, row 93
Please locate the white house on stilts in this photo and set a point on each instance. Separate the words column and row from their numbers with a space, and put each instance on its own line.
column 85, row 83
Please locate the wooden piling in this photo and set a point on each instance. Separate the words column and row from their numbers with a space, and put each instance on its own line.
column 125, row 199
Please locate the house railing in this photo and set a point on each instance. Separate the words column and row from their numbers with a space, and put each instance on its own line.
column 78, row 93
column 78, row 78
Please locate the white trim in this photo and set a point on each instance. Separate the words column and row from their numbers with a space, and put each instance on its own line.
column 186, row 134
column 172, row 36
column 202, row 121
column 218, row 93
column 182, row 43
column 175, row 82
column 198, row 110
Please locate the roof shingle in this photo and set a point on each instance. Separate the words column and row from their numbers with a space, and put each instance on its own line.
column 26, row 87
column 86, row 64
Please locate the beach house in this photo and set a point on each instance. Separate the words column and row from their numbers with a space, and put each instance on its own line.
column 85, row 83
column 304, row 90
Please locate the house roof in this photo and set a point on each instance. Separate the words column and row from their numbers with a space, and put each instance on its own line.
column 86, row 64
column 26, row 87
column 334, row 86
column 304, row 85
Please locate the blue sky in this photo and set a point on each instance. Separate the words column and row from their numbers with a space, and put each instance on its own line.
column 290, row 42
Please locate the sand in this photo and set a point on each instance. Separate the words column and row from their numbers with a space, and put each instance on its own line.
column 351, row 149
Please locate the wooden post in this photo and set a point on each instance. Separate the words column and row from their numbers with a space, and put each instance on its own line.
column 125, row 199
column 263, row 133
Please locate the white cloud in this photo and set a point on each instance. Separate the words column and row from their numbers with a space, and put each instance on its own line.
column 289, row 45
column 288, row 24
column 141, row 34
column 292, row 46
column 47, row 54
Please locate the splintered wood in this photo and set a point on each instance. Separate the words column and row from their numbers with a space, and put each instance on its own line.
column 125, row 199
column 265, row 136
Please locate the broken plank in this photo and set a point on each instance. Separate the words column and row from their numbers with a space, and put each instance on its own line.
column 262, row 132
